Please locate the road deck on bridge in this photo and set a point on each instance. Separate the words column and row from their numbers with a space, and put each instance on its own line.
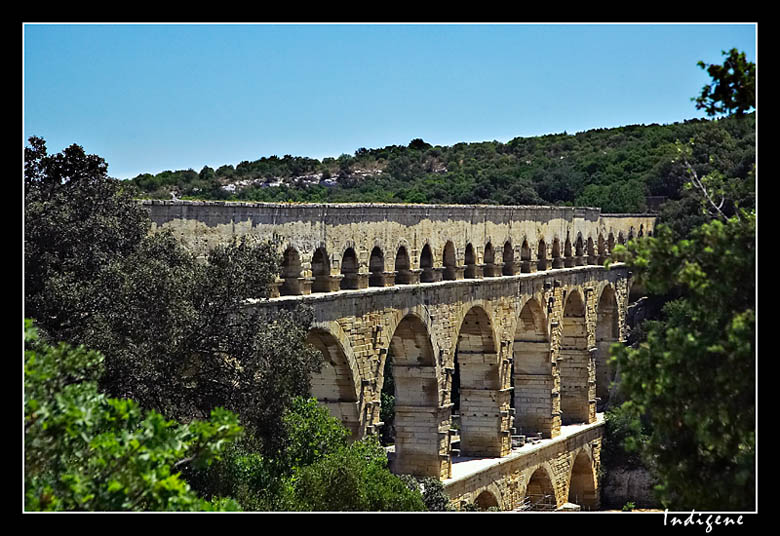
column 464, row 467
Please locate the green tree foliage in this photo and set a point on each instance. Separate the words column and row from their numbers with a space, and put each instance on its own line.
column 354, row 478
column 316, row 468
column 85, row 451
column 693, row 379
column 174, row 329
column 613, row 169
column 733, row 87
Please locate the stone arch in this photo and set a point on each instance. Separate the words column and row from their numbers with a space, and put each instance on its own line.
column 582, row 482
column 525, row 258
column 539, row 491
column 607, row 333
column 320, row 270
column 471, row 262
column 574, row 363
column 449, row 261
column 508, row 258
column 532, row 372
column 426, row 264
column 349, row 269
column 416, row 399
column 490, row 269
column 557, row 259
column 621, row 239
column 591, row 251
column 290, row 272
column 488, row 498
column 336, row 385
column 568, row 260
column 402, row 266
column 480, row 398
column 601, row 249
column 610, row 243
column 376, row 268
column 579, row 249
column 541, row 256
column 641, row 230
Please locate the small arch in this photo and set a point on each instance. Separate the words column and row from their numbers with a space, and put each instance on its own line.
column 541, row 256
column 509, row 260
column 610, row 243
column 557, row 259
column 349, row 269
column 290, row 272
column 376, row 267
column 426, row 264
column 579, row 247
column 320, row 270
column 641, row 230
column 621, row 239
column 568, row 260
column 602, row 249
column 490, row 259
column 403, row 271
column 525, row 257
column 449, row 261
column 486, row 500
column 471, row 263
column 591, row 251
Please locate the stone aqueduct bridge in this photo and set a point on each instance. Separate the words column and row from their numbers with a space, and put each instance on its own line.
column 497, row 319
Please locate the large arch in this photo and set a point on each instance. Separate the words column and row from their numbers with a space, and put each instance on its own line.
column 574, row 363
column 334, row 386
column 480, row 397
column 417, row 442
column 582, row 483
column 532, row 372
column 607, row 333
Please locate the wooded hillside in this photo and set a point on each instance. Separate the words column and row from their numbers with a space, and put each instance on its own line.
column 615, row 169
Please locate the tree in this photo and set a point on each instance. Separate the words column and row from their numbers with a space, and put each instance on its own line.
column 733, row 87
column 85, row 451
column 693, row 379
column 176, row 332
column 76, row 220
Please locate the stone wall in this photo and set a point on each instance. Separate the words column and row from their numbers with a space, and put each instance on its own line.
column 517, row 298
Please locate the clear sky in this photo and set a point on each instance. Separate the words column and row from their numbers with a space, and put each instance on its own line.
column 153, row 97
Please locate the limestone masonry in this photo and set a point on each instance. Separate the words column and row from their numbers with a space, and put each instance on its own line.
column 509, row 308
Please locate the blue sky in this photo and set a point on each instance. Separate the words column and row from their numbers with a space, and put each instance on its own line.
column 153, row 97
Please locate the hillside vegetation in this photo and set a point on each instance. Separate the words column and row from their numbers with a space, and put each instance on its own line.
column 615, row 169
